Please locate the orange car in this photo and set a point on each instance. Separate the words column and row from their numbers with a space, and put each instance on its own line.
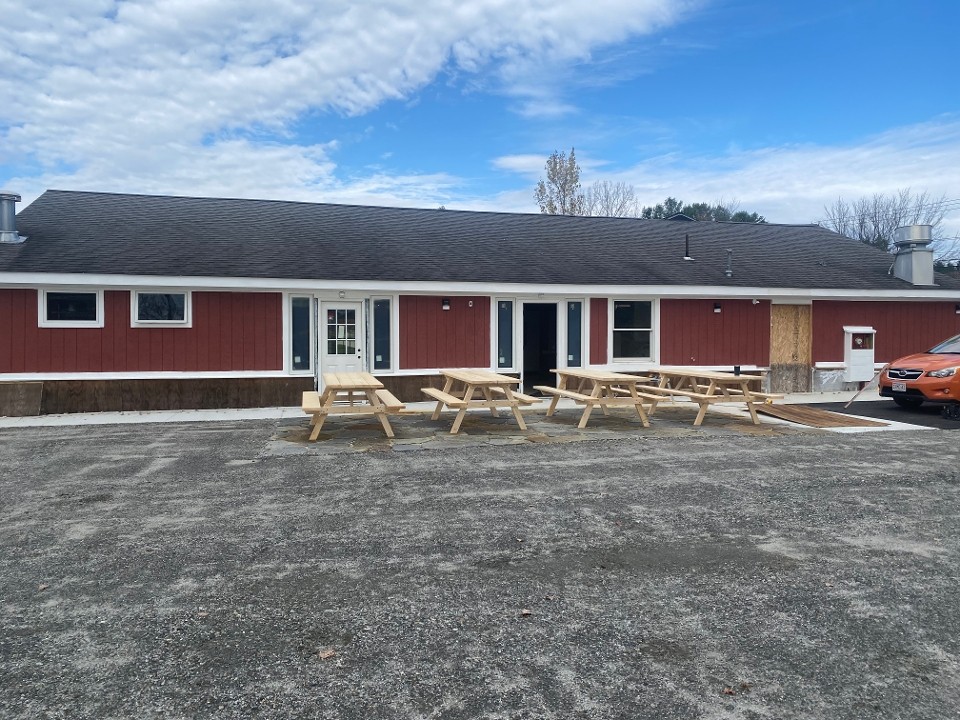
column 933, row 376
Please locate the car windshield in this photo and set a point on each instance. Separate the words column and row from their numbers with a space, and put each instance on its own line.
column 948, row 347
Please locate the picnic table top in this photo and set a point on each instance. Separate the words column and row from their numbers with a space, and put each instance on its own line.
column 715, row 375
column 601, row 375
column 477, row 376
column 351, row 381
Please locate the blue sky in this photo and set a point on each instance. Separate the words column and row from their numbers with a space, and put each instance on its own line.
column 782, row 106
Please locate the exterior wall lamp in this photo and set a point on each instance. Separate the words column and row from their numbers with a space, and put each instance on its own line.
column 445, row 304
column 716, row 307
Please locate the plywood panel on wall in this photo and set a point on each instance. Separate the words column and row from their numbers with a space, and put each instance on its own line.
column 790, row 348
column 790, row 338
column 431, row 337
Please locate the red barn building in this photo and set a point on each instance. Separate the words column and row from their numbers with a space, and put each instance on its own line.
column 128, row 302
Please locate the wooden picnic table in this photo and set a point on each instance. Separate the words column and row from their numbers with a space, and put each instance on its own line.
column 706, row 388
column 598, row 388
column 350, row 393
column 497, row 391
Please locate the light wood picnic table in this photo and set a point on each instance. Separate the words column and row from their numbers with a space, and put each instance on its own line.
column 598, row 388
column 497, row 391
column 707, row 388
column 350, row 393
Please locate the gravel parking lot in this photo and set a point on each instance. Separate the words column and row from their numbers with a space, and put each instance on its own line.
column 223, row 570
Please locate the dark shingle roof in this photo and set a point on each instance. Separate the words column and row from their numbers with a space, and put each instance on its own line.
column 81, row 232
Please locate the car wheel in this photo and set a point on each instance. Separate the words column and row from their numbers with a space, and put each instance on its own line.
column 907, row 402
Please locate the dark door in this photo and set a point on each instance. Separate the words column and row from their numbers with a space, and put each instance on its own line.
column 539, row 344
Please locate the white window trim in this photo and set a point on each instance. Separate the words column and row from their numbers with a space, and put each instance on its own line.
column 42, row 308
column 187, row 321
column 654, row 332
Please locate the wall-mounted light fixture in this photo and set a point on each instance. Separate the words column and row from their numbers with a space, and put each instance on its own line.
column 716, row 307
column 445, row 303
column 342, row 294
column 755, row 301
column 469, row 303
column 957, row 308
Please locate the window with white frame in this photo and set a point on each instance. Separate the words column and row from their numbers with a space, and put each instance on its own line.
column 163, row 307
column 70, row 308
column 301, row 334
column 574, row 333
column 632, row 329
column 504, row 333
column 381, row 333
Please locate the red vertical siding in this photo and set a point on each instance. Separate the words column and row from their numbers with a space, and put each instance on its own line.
column 231, row 331
column 902, row 328
column 431, row 337
column 691, row 333
column 598, row 331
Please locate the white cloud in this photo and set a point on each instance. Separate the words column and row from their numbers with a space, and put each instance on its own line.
column 156, row 93
column 793, row 183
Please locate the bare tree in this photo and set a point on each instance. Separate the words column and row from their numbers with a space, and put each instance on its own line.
column 873, row 220
column 560, row 193
column 611, row 199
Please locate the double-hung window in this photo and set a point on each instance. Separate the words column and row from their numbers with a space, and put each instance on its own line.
column 632, row 329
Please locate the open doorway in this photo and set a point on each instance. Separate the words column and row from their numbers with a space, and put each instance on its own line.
column 539, row 344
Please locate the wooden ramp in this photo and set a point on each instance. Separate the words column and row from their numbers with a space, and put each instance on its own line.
column 814, row 417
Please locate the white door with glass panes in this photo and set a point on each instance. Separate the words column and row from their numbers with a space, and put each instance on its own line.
column 341, row 333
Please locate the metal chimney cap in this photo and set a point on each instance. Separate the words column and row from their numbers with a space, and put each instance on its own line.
column 913, row 235
column 4, row 195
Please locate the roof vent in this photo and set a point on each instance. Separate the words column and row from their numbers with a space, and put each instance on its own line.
column 8, row 219
column 913, row 259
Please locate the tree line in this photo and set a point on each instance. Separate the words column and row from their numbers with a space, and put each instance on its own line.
column 561, row 193
column 870, row 220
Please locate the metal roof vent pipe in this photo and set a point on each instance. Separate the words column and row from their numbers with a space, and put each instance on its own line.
column 913, row 259
column 8, row 219
column 729, row 271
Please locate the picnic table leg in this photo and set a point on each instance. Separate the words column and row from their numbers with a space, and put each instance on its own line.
column 489, row 396
column 446, row 388
column 556, row 398
column 748, row 398
column 319, row 417
column 515, row 406
column 463, row 411
column 638, row 404
column 605, row 392
column 380, row 410
column 701, row 414
column 586, row 415
column 590, row 404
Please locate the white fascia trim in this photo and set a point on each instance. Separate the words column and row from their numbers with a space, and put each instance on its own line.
column 164, row 375
column 464, row 288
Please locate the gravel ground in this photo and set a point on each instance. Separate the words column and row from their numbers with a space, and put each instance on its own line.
column 201, row 571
